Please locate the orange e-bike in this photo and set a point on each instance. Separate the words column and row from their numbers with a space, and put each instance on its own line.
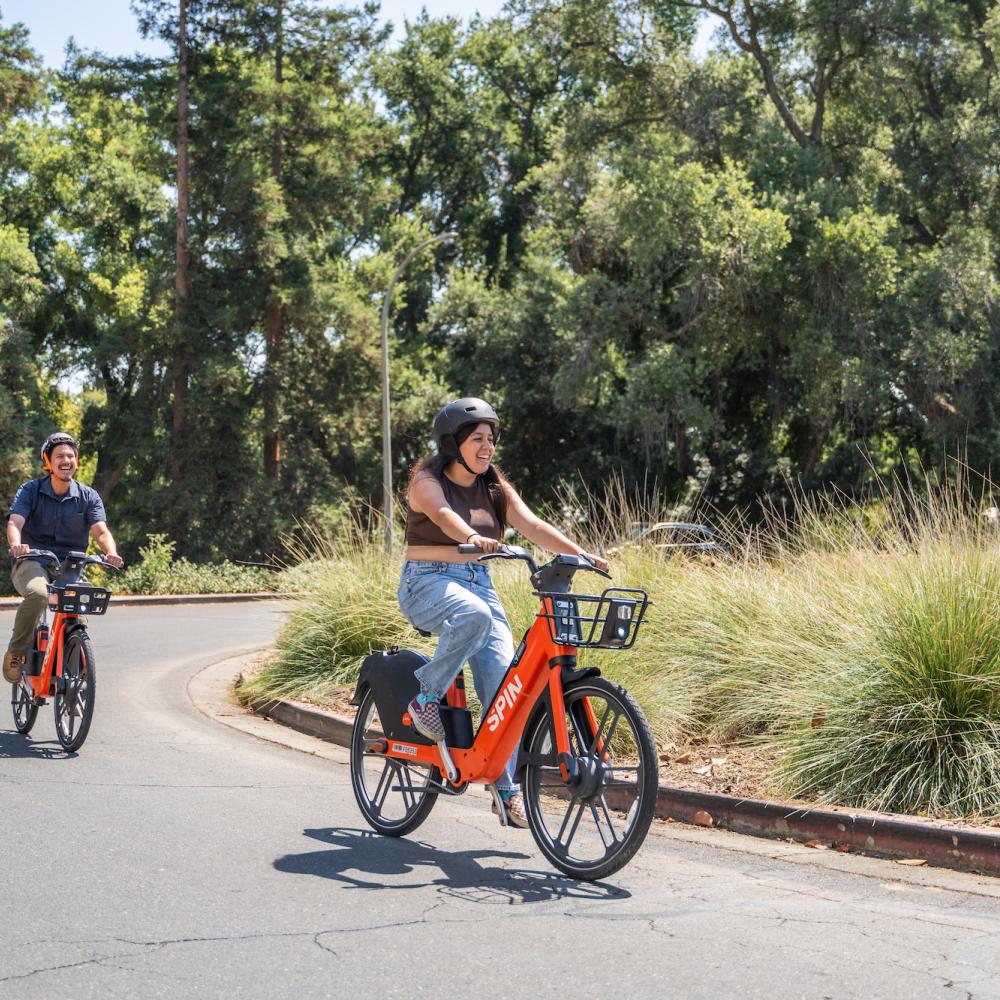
column 60, row 663
column 586, row 757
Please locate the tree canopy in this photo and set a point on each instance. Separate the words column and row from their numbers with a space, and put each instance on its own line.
column 723, row 271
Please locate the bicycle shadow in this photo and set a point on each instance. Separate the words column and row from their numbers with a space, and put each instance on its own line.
column 462, row 873
column 16, row 746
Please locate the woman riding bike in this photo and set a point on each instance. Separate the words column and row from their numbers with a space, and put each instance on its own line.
column 459, row 496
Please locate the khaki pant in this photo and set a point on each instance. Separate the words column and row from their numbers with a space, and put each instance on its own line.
column 30, row 580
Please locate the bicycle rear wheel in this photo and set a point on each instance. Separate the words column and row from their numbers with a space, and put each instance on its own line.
column 593, row 827
column 392, row 794
column 24, row 707
column 74, row 701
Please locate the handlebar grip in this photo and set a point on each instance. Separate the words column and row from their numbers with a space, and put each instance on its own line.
column 468, row 550
column 34, row 554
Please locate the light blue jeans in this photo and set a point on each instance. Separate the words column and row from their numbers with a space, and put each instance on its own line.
column 457, row 602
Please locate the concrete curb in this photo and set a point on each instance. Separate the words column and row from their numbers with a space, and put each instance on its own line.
column 140, row 600
column 305, row 719
column 877, row 834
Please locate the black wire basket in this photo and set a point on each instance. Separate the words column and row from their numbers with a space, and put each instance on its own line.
column 608, row 621
column 79, row 599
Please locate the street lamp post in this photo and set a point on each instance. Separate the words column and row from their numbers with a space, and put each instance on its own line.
column 386, row 438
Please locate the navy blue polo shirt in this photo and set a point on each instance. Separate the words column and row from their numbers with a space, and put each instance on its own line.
column 60, row 524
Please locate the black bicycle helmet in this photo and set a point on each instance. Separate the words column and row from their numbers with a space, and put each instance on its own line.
column 60, row 437
column 460, row 413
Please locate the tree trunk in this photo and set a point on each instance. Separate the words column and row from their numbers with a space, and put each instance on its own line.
column 181, row 282
column 274, row 321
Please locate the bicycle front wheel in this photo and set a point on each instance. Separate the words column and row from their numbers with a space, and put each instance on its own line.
column 24, row 707
column 74, row 700
column 592, row 827
column 392, row 794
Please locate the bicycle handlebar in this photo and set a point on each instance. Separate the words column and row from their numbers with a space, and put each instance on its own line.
column 504, row 552
column 50, row 556
column 560, row 568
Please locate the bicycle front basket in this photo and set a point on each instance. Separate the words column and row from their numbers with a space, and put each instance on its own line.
column 79, row 599
column 608, row 621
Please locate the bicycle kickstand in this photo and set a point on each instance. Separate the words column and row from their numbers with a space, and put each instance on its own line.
column 499, row 804
column 449, row 765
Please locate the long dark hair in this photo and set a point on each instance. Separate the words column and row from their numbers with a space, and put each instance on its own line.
column 495, row 480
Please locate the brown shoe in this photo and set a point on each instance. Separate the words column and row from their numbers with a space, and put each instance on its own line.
column 13, row 664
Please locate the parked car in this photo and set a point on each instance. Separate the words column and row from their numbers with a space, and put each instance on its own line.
column 673, row 537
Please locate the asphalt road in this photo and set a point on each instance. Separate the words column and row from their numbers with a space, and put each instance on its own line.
column 176, row 856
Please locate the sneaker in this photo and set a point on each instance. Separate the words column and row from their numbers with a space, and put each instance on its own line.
column 514, row 804
column 426, row 716
column 13, row 665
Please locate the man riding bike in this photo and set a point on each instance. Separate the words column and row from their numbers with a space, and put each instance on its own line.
column 54, row 512
column 459, row 496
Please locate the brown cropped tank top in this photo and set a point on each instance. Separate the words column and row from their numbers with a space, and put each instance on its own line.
column 472, row 503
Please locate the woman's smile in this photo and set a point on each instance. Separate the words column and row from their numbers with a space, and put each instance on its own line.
column 478, row 448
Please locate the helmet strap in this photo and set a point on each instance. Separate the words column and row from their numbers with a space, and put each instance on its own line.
column 454, row 452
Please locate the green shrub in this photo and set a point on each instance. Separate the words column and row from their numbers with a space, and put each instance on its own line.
column 349, row 609
column 159, row 572
column 914, row 725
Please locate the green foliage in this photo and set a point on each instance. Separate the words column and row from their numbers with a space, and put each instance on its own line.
column 912, row 727
column 349, row 609
column 722, row 274
column 159, row 572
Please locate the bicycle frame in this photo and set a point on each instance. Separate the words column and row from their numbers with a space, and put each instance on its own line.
column 41, row 684
column 537, row 665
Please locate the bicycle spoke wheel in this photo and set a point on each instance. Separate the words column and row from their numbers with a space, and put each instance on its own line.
column 25, row 710
column 392, row 794
column 591, row 829
column 74, row 701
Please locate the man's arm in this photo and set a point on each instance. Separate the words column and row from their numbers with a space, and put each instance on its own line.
column 14, row 525
column 104, row 538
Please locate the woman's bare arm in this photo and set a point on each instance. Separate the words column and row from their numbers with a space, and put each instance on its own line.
column 523, row 519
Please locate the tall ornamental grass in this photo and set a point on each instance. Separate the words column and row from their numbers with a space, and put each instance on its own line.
column 862, row 641
column 345, row 607
column 912, row 724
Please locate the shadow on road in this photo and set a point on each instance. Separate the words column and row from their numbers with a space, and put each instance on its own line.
column 462, row 873
column 14, row 745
